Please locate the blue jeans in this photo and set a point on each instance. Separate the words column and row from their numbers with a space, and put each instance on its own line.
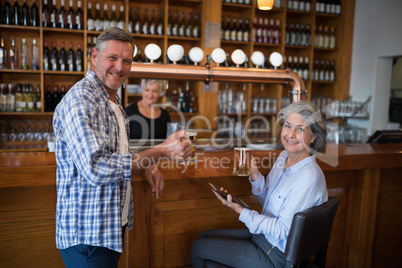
column 86, row 256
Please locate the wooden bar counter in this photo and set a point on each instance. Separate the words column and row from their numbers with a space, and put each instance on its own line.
column 365, row 177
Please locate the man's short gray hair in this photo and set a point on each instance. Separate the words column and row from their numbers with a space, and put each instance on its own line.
column 113, row 33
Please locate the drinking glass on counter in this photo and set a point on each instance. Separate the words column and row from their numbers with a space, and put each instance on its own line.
column 242, row 161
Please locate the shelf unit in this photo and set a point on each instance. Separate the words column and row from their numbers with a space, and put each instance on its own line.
column 210, row 11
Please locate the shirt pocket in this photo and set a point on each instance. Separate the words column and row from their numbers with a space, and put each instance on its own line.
column 276, row 202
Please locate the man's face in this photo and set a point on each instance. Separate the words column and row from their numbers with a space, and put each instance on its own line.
column 113, row 64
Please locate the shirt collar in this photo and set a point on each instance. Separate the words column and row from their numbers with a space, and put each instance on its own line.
column 91, row 75
column 299, row 165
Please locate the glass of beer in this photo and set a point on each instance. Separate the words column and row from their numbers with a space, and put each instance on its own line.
column 242, row 161
column 192, row 134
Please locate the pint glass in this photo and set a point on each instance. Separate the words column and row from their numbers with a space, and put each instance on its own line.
column 192, row 134
column 242, row 162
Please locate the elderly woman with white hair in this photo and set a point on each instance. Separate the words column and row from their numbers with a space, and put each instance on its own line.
column 295, row 183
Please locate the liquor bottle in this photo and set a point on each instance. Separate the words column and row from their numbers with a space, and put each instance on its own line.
column 145, row 23
column 113, row 18
column 260, row 26
column 170, row 24
column 38, row 99
column 182, row 25
column 130, row 21
column 70, row 58
column 326, row 37
column 79, row 59
column 89, row 51
column 46, row 57
column 159, row 24
column 122, row 19
column 62, row 91
column 10, row 99
column 319, row 37
column 292, row 35
column 295, row 4
column 338, row 7
column 239, row 33
column 227, row 30
column 308, row 35
column 90, row 19
column 25, row 19
column 105, row 18
column 34, row 14
column 13, row 52
column 322, row 71
column 137, row 22
column 55, row 96
column 54, row 16
column 48, row 100
column 332, row 38
column 188, row 31
column 35, row 55
column 270, row 32
column 30, row 99
column 45, row 14
column 62, row 16
column 3, row 55
column 97, row 19
column 196, row 26
column 233, row 29
column 79, row 17
column 16, row 13
column 305, row 75
column 19, row 102
column 152, row 23
column 297, row 35
column 277, row 32
column 24, row 55
column 175, row 24
column 54, row 58
column 301, row 5
column 7, row 13
column 246, row 31
column 63, row 58
column 71, row 16
column 3, row 98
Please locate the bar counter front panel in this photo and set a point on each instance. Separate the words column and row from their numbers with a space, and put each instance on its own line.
column 366, row 231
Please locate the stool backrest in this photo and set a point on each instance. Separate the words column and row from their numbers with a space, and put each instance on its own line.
column 310, row 231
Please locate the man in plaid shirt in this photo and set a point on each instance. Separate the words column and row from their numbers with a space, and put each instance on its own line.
column 94, row 166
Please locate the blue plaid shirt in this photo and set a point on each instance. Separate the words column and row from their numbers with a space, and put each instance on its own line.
column 91, row 177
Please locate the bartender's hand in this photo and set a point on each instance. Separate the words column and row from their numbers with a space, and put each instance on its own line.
column 156, row 180
column 236, row 207
column 177, row 146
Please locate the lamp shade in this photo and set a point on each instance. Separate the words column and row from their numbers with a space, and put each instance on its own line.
column 265, row 4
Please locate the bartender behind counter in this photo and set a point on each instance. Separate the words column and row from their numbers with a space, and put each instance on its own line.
column 147, row 119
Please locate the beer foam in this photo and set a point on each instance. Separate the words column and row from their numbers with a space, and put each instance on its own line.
column 191, row 133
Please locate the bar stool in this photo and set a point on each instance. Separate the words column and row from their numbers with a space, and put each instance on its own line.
column 309, row 235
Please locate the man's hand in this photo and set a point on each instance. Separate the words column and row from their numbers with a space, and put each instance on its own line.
column 156, row 180
column 177, row 146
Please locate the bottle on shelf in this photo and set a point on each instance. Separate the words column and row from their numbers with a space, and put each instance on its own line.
column 113, row 17
column 105, row 18
column 79, row 17
column 159, row 24
column 54, row 16
column 38, row 99
column 3, row 98
column 239, row 33
column 62, row 16
column 233, row 30
column 332, row 38
column 169, row 24
column 70, row 58
column 152, row 23
column 24, row 55
column 19, row 100
column 306, row 69
column 90, row 18
column 13, row 54
column 79, row 59
column 10, row 98
column 54, row 58
column 332, row 71
column 34, row 14
column 97, row 19
column 226, row 32
column 3, row 55
column 130, row 21
column 30, row 99
column 45, row 14
column 175, row 24
column 188, row 28
column 25, row 19
column 246, row 30
column 270, row 32
column 55, row 96
column 182, row 25
column 16, row 13
column 122, row 18
column 145, row 23
column 63, row 58
column 71, row 16
column 46, row 57
column 326, row 37
column 48, row 100
column 137, row 22
column 7, row 13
